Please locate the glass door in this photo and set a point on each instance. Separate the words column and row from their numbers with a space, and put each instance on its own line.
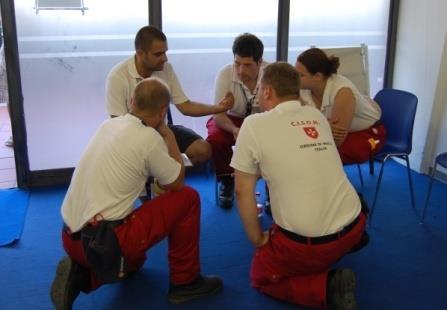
column 65, row 56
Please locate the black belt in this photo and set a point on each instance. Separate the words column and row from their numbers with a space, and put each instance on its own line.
column 379, row 122
column 77, row 235
column 73, row 236
column 320, row 240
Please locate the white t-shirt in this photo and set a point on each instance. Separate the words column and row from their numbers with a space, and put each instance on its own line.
column 366, row 113
column 228, row 81
column 124, row 77
column 113, row 170
column 292, row 147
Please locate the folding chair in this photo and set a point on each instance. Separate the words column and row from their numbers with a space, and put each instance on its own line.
column 398, row 113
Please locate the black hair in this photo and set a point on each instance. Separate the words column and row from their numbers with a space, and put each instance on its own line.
column 146, row 35
column 248, row 45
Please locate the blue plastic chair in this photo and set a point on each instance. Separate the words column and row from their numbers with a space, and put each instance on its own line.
column 398, row 113
column 441, row 160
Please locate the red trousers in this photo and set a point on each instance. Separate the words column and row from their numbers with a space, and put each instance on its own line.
column 221, row 143
column 297, row 272
column 175, row 215
column 359, row 146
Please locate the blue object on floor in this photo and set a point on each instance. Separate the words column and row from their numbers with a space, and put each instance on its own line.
column 13, row 206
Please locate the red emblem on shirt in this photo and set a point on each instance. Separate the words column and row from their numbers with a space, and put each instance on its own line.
column 311, row 132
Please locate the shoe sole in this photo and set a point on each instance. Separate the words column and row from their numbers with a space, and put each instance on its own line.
column 225, row 202
column 225, row 206
column 182, row 299
column 59, row 285
column 346, row 286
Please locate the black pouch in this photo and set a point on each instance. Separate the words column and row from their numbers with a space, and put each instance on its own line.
column 102, row 251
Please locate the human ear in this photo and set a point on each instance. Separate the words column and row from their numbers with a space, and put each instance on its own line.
column 319, row 76
column 268, row 92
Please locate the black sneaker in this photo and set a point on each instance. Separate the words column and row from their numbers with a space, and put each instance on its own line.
column 67, row 284
column 201, row 287
column 226, row 191
column 340, row 293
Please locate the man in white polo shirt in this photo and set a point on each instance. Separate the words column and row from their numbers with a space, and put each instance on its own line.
column 316, row 211
column 105, row 237
column 241, row 78
column 150, row 60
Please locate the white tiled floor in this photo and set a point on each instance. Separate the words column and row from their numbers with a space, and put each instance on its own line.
column 7, row 164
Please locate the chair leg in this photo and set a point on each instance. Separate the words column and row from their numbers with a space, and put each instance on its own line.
column 432, row 175
column 410, row 182
column 147, row 186
column 379, row 180
column 360, row 175
column 209, row 168
column 371, row 166
column 216, row 190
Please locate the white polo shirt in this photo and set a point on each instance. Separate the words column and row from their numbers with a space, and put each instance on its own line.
column 124, row 77
column 228, row 81
column 113, row 170
column 292, row 147
column 366, row 113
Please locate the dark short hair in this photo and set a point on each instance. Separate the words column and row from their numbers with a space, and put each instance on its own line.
column 151, row 94
column 283, row 78
column 315, row 60
column 248, row 45
column 146, row 35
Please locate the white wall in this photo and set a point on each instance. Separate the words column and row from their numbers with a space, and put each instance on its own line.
column 420, row 48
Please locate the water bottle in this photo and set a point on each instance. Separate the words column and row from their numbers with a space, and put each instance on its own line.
column 259, row 204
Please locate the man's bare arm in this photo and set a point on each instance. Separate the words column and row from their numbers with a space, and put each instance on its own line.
column 246, row 201
column 192, row 108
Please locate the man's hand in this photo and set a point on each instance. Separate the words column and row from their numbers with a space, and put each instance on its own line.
column 164, row 131
column 173, row 151
column 227, row 102
column 338, row 132
column 263, row 240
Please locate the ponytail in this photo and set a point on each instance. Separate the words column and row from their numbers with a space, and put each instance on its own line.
column 315, row 60
column 333, row 64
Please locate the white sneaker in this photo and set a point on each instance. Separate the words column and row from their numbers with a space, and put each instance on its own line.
column 9, row 142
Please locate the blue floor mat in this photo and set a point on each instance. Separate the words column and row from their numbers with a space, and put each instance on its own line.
column 13, row 206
